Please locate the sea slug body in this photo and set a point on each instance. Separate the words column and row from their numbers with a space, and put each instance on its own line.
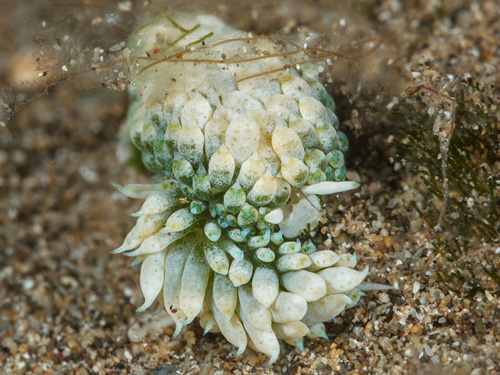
column 242, row 163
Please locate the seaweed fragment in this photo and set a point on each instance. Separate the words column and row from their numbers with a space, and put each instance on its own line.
column 457, row 159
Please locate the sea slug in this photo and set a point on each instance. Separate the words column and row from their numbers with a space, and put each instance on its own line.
column 243, row 141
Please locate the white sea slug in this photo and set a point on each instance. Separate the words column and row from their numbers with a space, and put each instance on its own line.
column 241, row 164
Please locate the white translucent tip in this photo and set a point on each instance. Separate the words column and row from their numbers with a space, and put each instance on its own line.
column 275, row 216
column 329, row 187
